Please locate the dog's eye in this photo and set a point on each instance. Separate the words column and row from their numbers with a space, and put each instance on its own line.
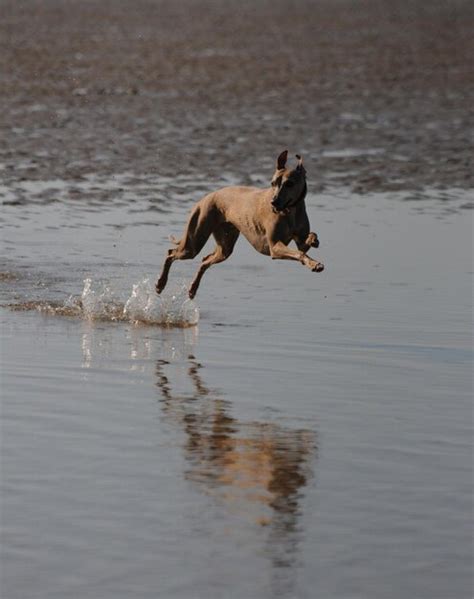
column 276, row 182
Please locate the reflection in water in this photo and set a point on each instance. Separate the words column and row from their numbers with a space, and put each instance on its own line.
column 256, row 470
column 98, row 343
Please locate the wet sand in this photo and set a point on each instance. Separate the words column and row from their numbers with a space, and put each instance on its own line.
column 312, row 433
column 376, row 95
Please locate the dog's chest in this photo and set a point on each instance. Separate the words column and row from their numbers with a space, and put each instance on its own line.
column 256, row 234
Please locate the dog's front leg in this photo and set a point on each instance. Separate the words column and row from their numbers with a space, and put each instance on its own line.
column 280, row 251
column 311, row 241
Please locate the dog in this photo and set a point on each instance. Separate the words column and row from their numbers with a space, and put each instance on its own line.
column 269, row 218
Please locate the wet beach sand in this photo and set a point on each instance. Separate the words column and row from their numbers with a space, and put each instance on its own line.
column 287, row 434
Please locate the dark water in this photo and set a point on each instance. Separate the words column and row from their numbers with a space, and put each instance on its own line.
column 311, row 436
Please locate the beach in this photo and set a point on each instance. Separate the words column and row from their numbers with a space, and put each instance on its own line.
column 286, row 433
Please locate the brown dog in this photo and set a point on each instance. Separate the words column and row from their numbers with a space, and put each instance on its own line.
column 268, row 218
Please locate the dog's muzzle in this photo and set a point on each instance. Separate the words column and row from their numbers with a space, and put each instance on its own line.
column 278, row 209
column 276, row 206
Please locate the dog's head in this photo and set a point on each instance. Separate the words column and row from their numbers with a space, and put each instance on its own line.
column 289, row 185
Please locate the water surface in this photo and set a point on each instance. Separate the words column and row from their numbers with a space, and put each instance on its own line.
column 310, row 435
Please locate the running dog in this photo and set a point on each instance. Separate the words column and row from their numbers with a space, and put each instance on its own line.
column 269, row 218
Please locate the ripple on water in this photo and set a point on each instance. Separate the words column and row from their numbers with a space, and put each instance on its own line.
column 99, row 302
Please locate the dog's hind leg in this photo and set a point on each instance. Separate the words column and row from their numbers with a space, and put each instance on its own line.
column 226, row 236
column 198, row 230
column 161, row 283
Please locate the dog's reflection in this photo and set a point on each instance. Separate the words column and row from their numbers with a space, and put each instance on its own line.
column 257, row 470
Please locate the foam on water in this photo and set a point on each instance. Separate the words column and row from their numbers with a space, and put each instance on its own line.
column 98, row 301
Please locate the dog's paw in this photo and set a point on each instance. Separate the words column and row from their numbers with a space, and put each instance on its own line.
column 318, row 267
column 312, row 240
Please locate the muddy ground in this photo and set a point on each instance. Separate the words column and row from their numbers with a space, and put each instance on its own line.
column 377, row 95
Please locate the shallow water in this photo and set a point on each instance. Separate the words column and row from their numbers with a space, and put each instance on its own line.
column 311, row 434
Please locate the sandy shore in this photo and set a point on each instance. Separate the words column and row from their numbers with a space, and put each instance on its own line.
column 376, row 95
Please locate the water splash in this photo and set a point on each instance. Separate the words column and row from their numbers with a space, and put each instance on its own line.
column 98, row 301
column 171, row 309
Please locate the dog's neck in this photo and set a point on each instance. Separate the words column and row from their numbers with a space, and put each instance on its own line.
column 297, row 203
column 300, row 198
column 303, row 193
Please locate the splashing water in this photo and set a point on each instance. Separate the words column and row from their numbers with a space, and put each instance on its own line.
column 99, row 302
column 172, row 309
column 143, row 304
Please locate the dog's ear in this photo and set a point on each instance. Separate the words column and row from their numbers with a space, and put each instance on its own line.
column 281, row 160
column 299, row 167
